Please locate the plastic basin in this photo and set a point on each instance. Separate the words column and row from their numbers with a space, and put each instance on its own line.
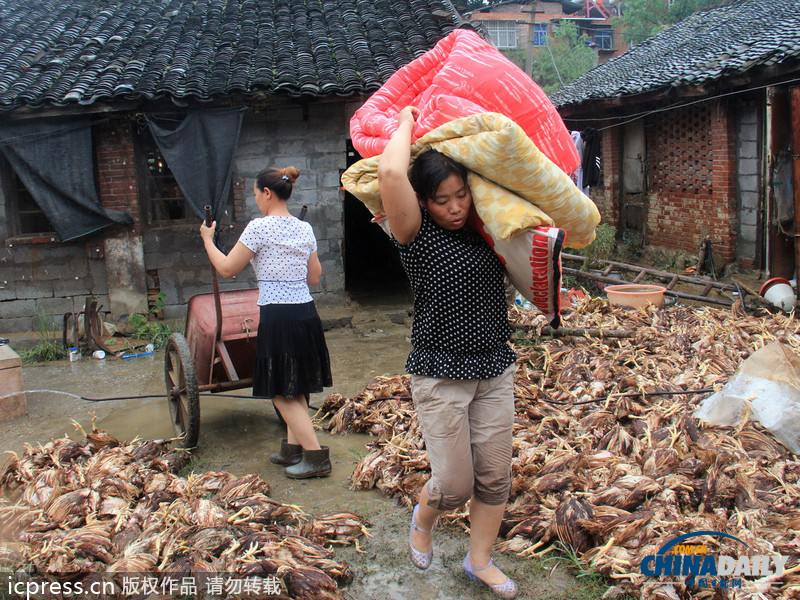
column 636, row 295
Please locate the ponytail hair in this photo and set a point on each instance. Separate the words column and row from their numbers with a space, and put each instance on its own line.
column 278, row 180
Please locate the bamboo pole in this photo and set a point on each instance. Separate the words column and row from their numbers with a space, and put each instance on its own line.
column 577, row 331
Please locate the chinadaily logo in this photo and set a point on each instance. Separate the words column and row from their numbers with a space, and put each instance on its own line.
column 681, row 557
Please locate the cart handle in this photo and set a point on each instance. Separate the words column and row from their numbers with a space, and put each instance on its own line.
column 215, row 284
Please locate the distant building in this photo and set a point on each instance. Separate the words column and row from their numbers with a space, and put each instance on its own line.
column 508, row 24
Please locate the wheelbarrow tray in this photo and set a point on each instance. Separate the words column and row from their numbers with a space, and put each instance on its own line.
column 227, row 363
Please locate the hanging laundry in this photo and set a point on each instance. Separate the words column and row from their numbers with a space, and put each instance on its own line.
column 577, row 176
column 590, row 158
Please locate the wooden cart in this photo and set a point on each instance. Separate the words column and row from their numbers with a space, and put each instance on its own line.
column 216, row 353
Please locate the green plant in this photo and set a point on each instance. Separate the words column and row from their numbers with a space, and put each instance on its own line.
column 594, row 583
column 47, row 348
column 145, row 327
column 603, row 247
column 524, row 339
column 196, row 464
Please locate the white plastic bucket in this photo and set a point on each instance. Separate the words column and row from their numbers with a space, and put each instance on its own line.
column 779, row 292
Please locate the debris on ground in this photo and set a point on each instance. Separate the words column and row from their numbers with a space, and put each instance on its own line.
column 609, row 462
column 101, row 508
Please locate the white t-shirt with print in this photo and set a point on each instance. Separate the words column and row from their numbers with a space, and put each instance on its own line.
column 282, row 246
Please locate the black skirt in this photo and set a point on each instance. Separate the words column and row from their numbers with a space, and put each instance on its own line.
column 292, row 357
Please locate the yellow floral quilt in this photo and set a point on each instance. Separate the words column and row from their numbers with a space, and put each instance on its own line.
column 515, row 187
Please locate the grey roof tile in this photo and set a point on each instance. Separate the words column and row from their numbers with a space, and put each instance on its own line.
column 61, row 52
column 706, row 46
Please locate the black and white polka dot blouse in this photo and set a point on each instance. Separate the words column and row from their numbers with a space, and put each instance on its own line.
column 282, row 246
column 460, row 328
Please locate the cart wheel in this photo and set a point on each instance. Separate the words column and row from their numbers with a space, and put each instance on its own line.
column 182, row 393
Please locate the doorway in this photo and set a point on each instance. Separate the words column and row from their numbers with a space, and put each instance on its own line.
column 632, row 204
column 372, row 265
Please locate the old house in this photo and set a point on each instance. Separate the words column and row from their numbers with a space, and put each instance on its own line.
column 699, row 132
column 120, row 122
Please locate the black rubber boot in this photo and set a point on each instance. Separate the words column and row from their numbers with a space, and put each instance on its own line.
column 290, row 454
column 315, row 463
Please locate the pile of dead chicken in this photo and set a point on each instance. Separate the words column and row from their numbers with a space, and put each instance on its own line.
column 605, row 471
column 78, row 511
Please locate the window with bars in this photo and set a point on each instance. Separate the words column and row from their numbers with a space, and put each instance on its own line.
column 160, row 195
column 502, row 33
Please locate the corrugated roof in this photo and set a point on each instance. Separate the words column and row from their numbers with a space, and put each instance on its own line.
column 708, row 45
column 60, row 52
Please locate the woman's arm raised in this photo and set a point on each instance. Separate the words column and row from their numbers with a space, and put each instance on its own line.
column 229, row 265
column 399, row 199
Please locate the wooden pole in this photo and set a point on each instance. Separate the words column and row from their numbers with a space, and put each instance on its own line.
column 531, row 40
column 795, row 124
column 578, row 331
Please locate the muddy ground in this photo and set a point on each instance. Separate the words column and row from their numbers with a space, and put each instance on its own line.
column 238, row 434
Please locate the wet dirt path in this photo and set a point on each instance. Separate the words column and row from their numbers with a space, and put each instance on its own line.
column 238, row 434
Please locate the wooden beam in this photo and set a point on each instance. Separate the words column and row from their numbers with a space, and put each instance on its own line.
column 795, row 127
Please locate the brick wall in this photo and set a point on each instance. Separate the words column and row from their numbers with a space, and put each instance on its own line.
column 313, row 140
column 41, row 278
column 606, row 196
column 116, row 169
column 691, row 179
column 46, row 280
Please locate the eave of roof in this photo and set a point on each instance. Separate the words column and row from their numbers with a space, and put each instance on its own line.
column 741, row 37
column 62, row 53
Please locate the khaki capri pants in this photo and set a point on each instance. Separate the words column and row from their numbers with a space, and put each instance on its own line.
column 467, row 426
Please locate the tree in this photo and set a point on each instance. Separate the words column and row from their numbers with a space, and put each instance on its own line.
column 642, row 19
column 565, row 58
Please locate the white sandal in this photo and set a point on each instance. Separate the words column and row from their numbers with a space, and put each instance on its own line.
column 421, row 560
column 506, row 590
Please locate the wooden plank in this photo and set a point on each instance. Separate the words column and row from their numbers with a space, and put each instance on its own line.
column 577, row 331
column 675, row 293
column 8, row 358
column 13, row 402
column 652, row 272
column 227, row 363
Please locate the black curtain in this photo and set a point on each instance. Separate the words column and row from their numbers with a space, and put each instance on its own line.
column 55, row 161
column 200, row 152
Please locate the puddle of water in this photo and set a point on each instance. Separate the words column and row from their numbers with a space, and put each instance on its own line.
column 236, row 434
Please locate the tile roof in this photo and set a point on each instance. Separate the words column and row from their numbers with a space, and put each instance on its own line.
column 62, row 52
column 709, row 45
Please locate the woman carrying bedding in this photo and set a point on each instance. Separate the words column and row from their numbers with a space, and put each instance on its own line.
column 462, row 368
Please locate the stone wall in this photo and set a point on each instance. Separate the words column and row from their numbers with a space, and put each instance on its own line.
column 44, row 280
